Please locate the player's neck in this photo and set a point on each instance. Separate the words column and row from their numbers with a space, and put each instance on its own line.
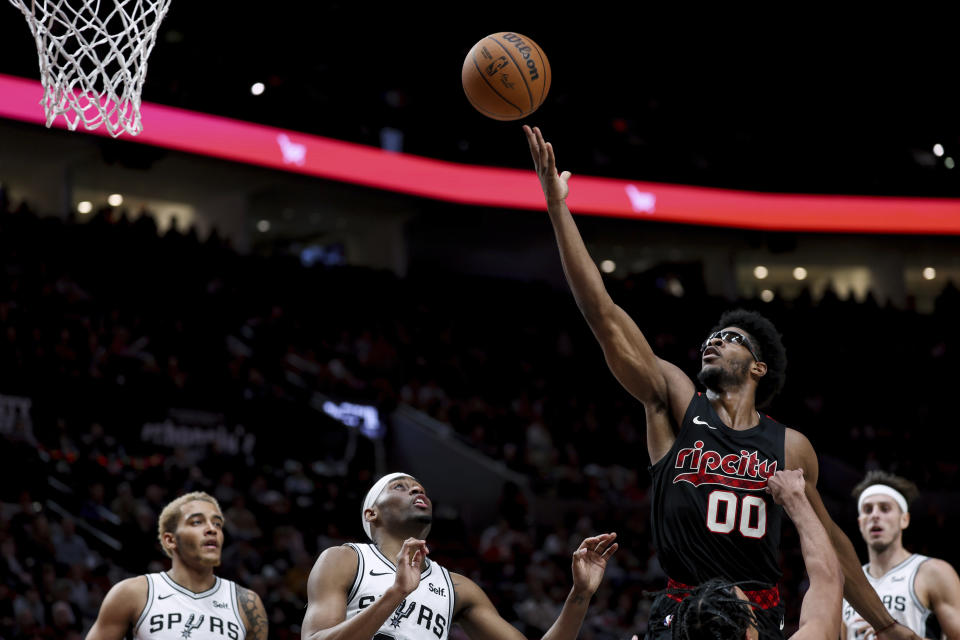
column 882, row 561
column 197, row 580
column 735, row 407
column 390, row 546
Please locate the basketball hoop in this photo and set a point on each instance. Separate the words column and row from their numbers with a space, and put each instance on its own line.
column 93, row 58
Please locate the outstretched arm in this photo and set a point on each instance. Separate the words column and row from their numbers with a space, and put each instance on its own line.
column 659, row 385
column 589, row 563
column 480, row 619
column 821, row 608
column 330, row 581
column 856, row 589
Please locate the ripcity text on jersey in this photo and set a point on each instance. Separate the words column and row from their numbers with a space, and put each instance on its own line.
column 711, row 514
column 174, row 612
column 896, row 591
column 425, row 614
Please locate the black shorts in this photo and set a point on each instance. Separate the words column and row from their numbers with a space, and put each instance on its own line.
column 661, row 615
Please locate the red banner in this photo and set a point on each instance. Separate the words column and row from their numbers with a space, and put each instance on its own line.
column 508, row 188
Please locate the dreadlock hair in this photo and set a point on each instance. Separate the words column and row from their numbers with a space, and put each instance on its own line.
column 904, row 486
column 765, row 337
column 713, row 611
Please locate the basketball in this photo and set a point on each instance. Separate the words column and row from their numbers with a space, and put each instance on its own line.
column 506, row 76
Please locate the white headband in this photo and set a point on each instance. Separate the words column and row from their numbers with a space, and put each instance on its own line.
column 882, row 490
column 374, row 493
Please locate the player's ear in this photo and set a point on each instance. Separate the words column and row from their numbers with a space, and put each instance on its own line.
column 759, row 369
column 905, row 520
column 169, row 541
column 369, row 515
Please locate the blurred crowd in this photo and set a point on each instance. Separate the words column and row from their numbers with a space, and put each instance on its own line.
column 108, row 326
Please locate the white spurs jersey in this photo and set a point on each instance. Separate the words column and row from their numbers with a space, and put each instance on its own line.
column 174, row 612
column 896, row 591
column 424, row 615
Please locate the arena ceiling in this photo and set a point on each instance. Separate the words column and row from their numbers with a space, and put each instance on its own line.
column 806, row 102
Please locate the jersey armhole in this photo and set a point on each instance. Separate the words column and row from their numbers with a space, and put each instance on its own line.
column 691, row 409
column 913, row 586
column 453, row 596
column 358, row 578
column 236, row 608
column 146, row 606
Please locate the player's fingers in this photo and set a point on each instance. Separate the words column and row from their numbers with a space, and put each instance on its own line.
column 603, row 540
column 551, row 160
column 565, row 176
column 546, row 149
column 410, row 543
column 609, row 551
column 532, row 143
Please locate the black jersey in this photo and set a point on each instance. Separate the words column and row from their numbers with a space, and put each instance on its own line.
column 712, row 516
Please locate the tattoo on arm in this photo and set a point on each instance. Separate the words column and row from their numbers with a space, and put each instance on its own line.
column 578, row 599
column 253, row 611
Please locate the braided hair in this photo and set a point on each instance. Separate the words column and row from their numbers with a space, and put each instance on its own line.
column 713, row 611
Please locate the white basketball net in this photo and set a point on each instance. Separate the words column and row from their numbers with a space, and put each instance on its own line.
column 93, row 58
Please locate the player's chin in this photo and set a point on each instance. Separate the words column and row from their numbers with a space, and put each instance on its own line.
column 211, row 558
column 710, row 373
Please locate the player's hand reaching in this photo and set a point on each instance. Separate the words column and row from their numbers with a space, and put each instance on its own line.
column 409, row 560
column 554, row 185
column 786, row 486
column 590, row 561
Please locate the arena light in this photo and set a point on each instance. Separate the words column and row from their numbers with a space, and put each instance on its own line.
column 263, row 226
column 311, row 155
column 799, row 273
column 760, row 272
column 938, row 150
column 84, row 207
column 608, row 266
column 766, row 295
column 948, row 162
column 258, row 88
column 115, row 199
column 929, row 273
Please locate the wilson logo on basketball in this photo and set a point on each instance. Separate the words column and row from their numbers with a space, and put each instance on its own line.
column 525, row 51
column 732, row 470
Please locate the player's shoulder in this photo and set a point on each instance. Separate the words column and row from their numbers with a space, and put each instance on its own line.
column 128, row 596
column 797, row 443
column 134, row 586
column 798, row 453
column 936, row 571
column 466, row 590
column 338, row 563
column 243, row 593
column 343, row 553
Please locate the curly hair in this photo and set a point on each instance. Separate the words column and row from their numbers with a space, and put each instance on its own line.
column 770, row 350
column 904, row 486
column 713, row 611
